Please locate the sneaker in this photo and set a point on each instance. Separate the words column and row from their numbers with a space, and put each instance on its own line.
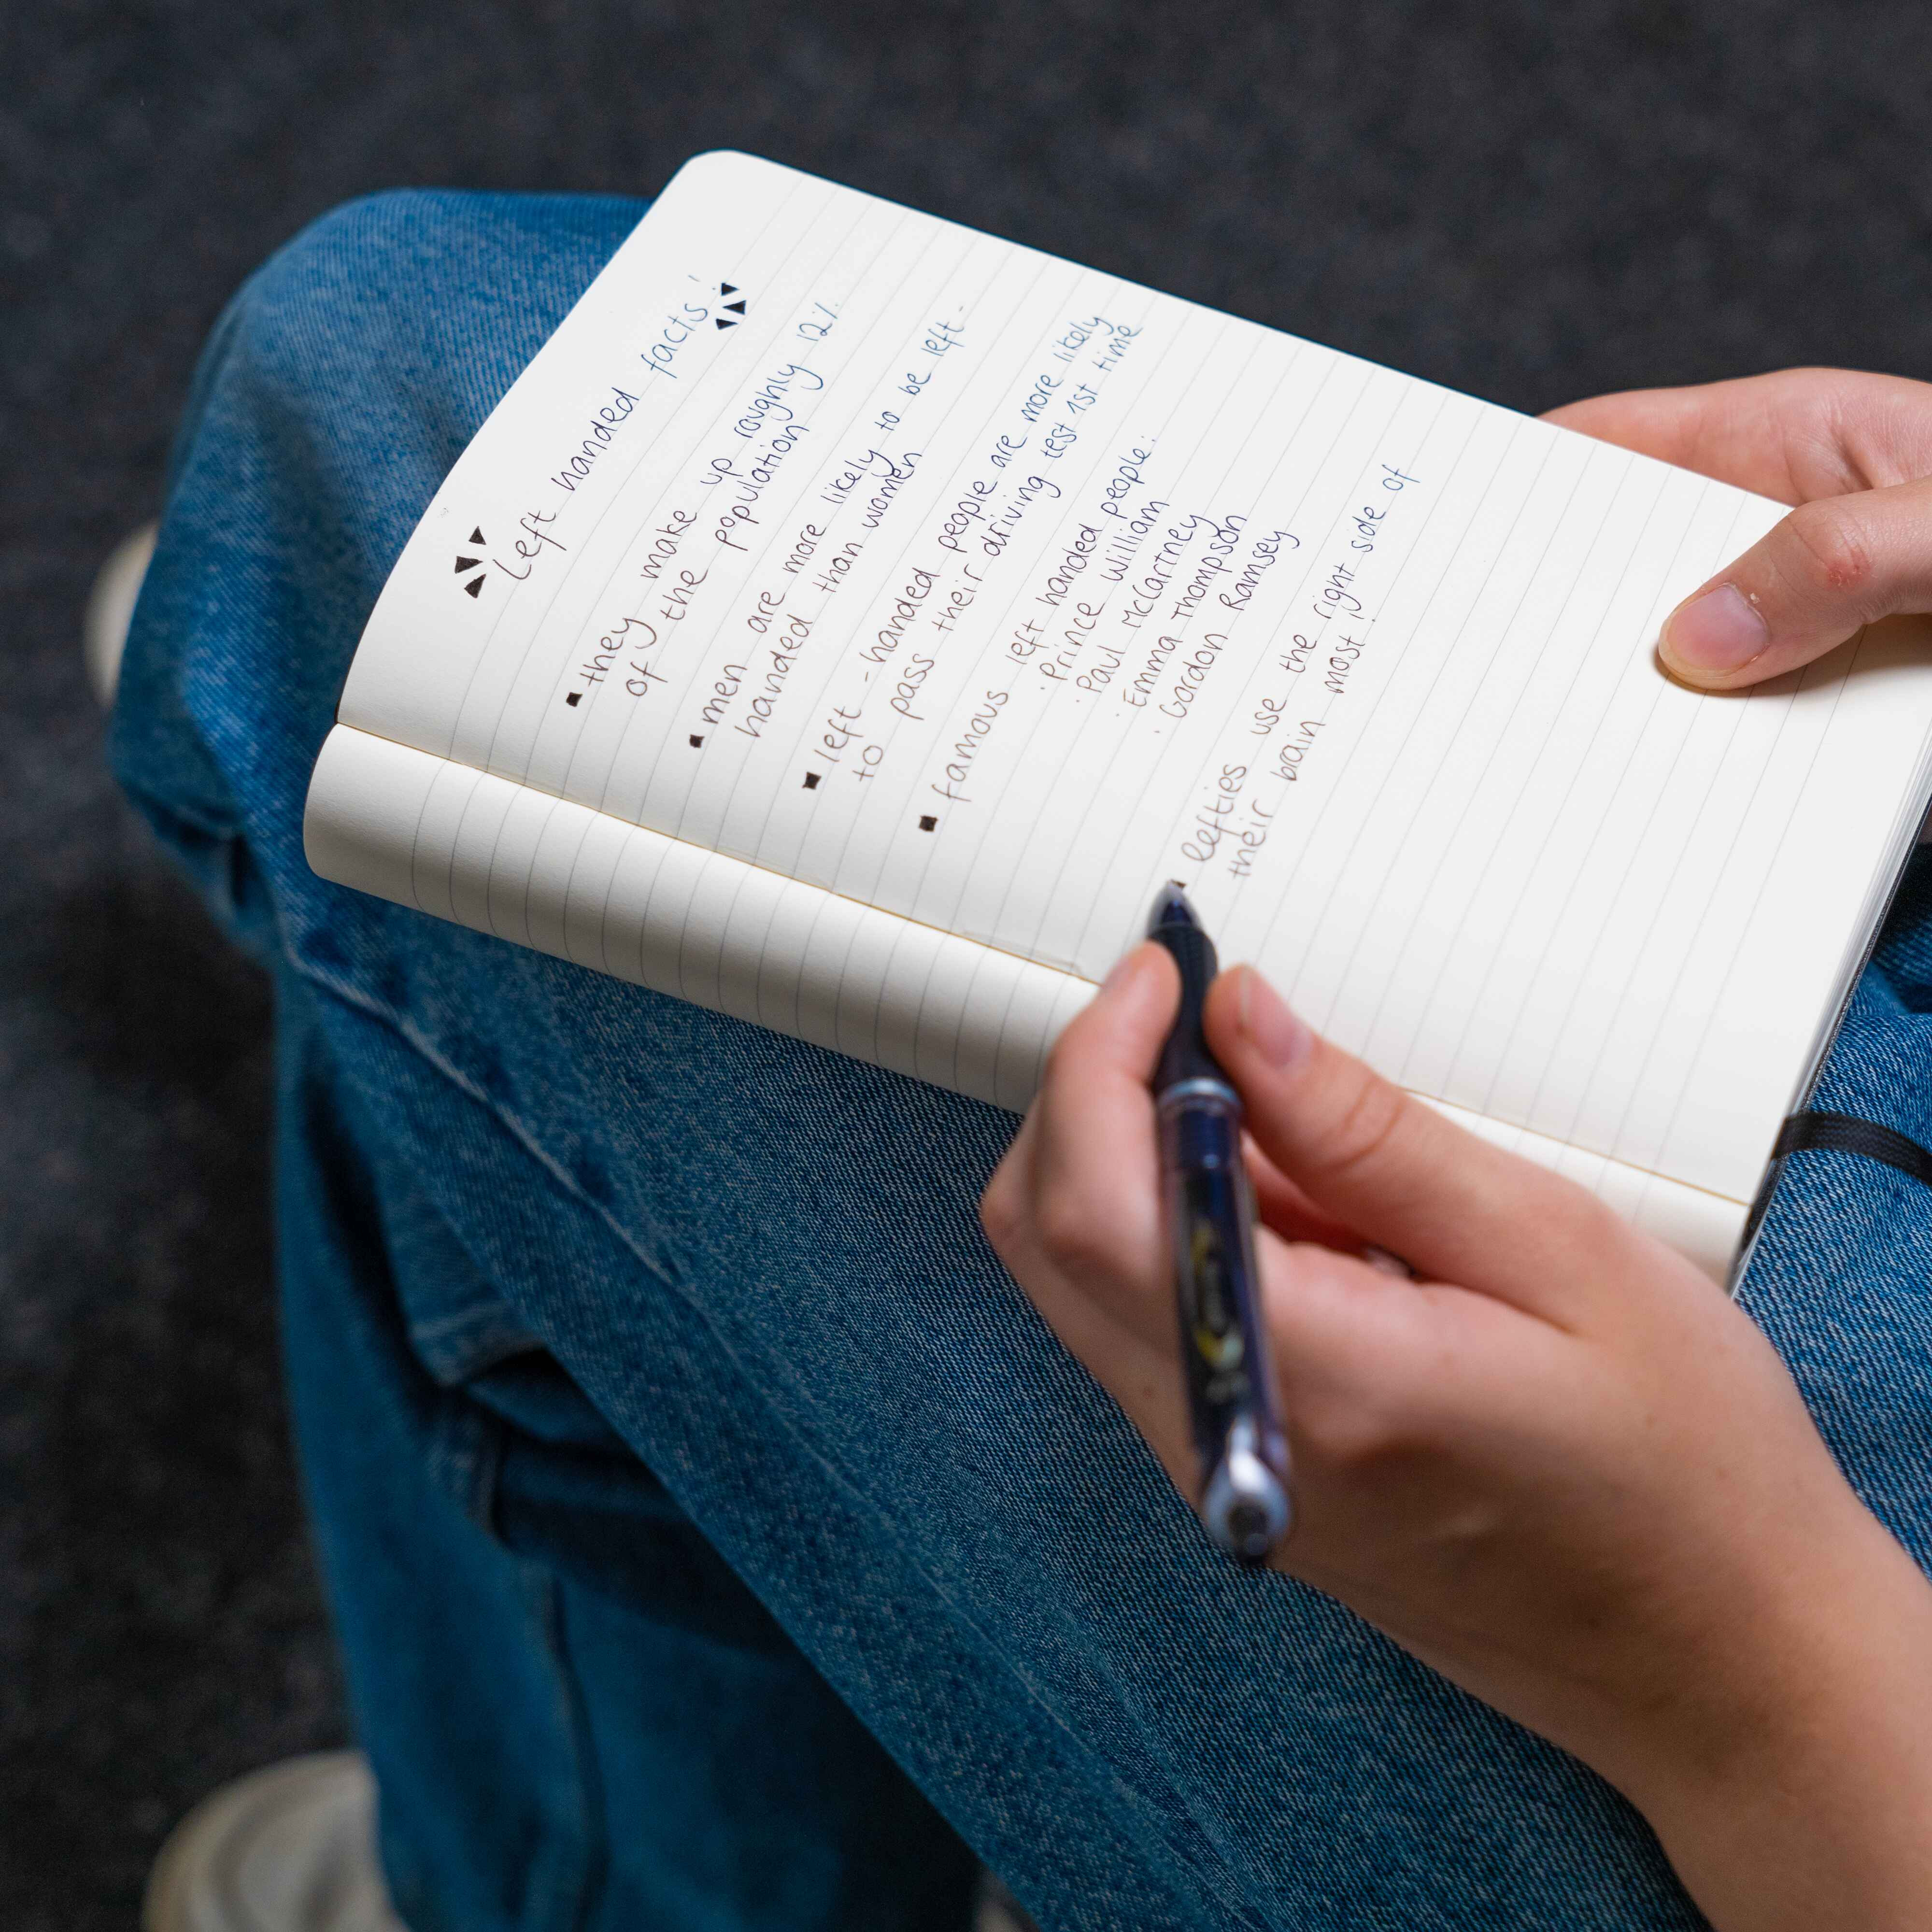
column 110, row 610
column 290, row 1849
column 999, row 1910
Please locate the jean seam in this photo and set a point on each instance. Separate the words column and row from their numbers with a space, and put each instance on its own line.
column 571, row 1905
column 594, row 1822
column 465, row 1451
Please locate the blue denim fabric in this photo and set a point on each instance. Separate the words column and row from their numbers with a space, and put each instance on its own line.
column 651, row 1375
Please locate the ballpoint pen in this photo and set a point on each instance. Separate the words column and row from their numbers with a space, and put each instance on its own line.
column 1210, row 1211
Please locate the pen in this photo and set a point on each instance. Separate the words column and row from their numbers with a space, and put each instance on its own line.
column 1210, row 1208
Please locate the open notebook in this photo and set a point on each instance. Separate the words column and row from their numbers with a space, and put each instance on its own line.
column 848, row 620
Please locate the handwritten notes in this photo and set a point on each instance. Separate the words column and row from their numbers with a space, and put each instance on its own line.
column 987, row 591
column 941, row 559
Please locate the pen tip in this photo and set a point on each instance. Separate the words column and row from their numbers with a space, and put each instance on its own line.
column 1171, row 907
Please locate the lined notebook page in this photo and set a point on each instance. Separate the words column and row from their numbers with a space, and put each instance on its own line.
column 987, row 591
column 547, row 874
column 621, row 899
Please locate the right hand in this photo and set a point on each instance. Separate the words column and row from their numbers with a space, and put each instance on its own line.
column 1853, row 452
column 1559, row 1466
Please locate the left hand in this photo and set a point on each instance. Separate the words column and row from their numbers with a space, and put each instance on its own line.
column 1560, row 1466
column 1851, row 451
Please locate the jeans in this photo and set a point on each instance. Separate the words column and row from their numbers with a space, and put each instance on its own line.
column 717, row 1538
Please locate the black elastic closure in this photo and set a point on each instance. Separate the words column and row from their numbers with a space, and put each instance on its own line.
column 1845, row 1133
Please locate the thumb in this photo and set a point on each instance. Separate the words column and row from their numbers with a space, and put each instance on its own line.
column 1384, row 1163
column 1831, row 567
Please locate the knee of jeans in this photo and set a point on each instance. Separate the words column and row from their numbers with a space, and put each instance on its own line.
column 426, row 291
column 364, row 355
column 356, row 283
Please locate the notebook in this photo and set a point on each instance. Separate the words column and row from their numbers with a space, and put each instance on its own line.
column 848, row 620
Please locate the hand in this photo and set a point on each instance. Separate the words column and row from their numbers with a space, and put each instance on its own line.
column 1853, row 451
column 1560, row 1466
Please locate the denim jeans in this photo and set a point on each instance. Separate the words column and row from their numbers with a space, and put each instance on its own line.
column 717, row 1538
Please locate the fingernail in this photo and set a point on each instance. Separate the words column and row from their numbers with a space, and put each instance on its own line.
column 1267, row 1025
column 1723, row 630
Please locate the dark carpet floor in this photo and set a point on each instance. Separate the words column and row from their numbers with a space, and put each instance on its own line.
column 1526, row 201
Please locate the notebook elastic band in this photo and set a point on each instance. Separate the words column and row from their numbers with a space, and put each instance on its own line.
column 1845, row 1133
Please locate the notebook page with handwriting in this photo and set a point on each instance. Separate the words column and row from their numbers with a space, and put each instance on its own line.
column 982, row 591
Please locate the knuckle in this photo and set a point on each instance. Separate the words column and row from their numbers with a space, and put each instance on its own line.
column 1064, row 1054
column 1076, row 1232
column 1370, row 1119
column 1001, row 1213
column 1835, row 555
column 1357, row 1439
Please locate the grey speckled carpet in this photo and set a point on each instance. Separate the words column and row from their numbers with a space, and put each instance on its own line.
column 1527, row 201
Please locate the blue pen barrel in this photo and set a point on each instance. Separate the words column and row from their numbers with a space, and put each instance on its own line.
column 1209, row 1221
column 1211, row 1218
column 1230, row 1387
column 1205, row 1212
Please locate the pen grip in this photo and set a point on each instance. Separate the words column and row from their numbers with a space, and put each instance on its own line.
column 1185, row 1056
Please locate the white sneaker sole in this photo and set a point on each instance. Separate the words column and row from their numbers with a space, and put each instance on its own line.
column 289, row 1849
column 292, row 1848
column 110, row 610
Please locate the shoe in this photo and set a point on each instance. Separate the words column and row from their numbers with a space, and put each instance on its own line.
column 110, row 610
column 290, row 1849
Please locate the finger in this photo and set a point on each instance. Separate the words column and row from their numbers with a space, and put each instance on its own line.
column 1096, row 1201
column 1831, row 568
column 1089, row 1248
column 1384, row 1164
column 1388, row 1391
column 1006, row 1207
column 1284, row 1206
column 1793, row 435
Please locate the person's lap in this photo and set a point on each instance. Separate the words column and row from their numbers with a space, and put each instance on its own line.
column 597, row 1304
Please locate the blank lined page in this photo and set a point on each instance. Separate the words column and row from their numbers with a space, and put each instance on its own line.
column 981, row 589
column 542, row 872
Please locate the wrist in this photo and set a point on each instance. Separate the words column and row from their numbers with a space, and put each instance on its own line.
column 1795, row 1788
